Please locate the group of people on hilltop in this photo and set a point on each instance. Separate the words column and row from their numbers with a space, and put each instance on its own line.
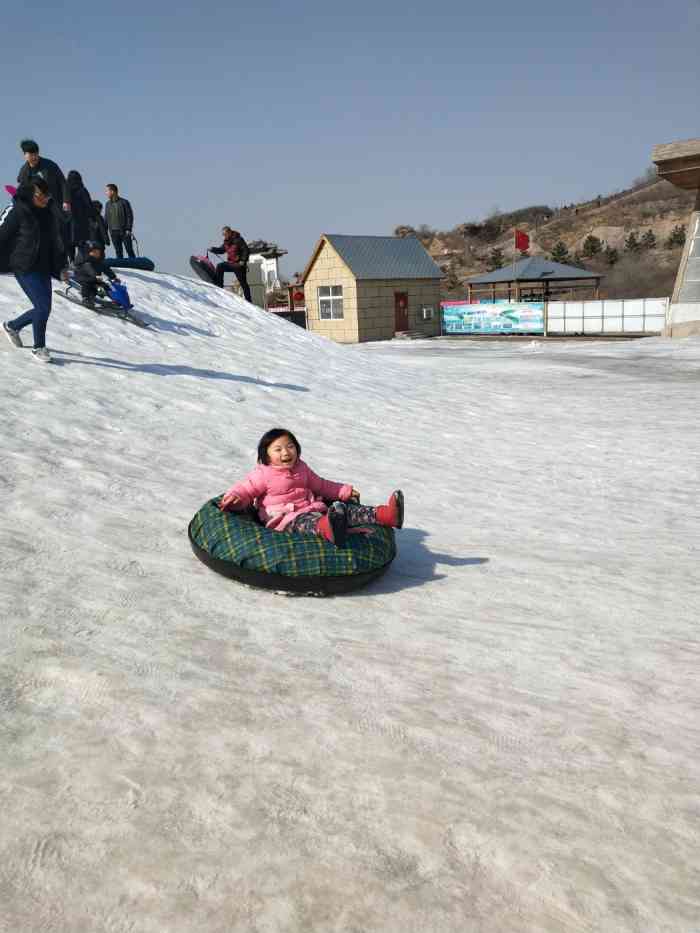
column 83, row 217
column 53, row 220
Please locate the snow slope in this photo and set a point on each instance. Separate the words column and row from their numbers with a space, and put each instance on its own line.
column 500, row 735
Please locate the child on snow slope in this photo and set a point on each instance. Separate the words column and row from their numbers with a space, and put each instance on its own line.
column 87, row 270
column 289, row 495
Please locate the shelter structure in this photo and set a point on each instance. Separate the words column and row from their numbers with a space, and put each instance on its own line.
column 679, row 163
column 534, row 279
column 267, row 256
column 360, row 288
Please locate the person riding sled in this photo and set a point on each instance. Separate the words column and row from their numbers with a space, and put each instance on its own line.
column 289, row 496
column 237, row 254
column 88, row 269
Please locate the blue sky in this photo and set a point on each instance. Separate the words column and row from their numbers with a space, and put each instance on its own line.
column 289, row 120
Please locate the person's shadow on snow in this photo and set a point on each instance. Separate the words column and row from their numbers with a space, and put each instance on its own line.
column 415, row 564
column 165, row 369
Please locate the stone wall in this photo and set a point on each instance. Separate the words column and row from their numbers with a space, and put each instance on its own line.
column 684, row 312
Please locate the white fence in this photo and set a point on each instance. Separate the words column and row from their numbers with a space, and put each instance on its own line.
column 623, row 316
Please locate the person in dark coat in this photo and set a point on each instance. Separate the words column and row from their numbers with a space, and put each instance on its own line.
column 237, row 254
column 36, row 166
column 98, row 227
column 88, row 269
column 82, row 212
column 31, row 246
column 119, row 218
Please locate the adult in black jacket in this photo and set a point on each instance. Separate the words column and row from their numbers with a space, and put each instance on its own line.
column 36, row 166
column 120, row 222
column 31, row 246
column 82, row 212
column 237, row 254
column 98, row 227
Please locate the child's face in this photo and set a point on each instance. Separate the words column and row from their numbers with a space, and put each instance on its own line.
column 282, row 452
column 95, row 253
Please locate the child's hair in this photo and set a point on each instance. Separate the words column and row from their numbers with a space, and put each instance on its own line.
column 28, row 145
column 272, row 435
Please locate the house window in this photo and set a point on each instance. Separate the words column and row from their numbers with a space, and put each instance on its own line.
column 426, row 312
column 330, row 302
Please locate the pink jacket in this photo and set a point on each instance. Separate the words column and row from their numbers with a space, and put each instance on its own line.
column 283, row 493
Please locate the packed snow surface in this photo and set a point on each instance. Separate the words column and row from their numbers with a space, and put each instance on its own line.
column 500, row 735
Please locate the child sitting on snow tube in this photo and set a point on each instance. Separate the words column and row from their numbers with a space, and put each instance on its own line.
column 290, row 495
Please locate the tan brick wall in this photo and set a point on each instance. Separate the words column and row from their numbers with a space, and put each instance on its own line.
column 329, row 269
column 375, row 306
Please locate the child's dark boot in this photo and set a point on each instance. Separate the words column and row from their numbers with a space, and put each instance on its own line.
column 333, row 526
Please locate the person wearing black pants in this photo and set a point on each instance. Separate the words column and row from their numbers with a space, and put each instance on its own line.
column 119, row 218
column 31, row 246
column 121, row 240
column 237, row 254
column 241, row 273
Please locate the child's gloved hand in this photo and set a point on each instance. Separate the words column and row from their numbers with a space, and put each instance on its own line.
column 227, row 500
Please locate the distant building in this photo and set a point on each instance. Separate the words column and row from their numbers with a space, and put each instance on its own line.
column 360, row 288
column 266, row 256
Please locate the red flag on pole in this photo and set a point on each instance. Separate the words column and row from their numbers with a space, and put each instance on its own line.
column 522, row 241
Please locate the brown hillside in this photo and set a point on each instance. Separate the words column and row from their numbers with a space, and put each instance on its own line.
column 651, row 205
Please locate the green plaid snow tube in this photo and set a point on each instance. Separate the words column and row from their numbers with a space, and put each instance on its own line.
column 238, row 546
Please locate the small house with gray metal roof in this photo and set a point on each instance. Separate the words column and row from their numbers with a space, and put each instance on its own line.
column 360, row 288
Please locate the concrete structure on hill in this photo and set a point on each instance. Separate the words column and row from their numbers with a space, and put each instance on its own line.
column 534, row 278
column 679, row 163
column 362, row 288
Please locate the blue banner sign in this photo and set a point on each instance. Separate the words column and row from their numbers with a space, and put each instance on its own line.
column 505, row 317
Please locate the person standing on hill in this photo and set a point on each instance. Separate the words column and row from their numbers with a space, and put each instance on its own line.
column 36, row 166
column 98, row 227
column 119, row 218
column 82, row 213
column 31, row 246
column 237, row 254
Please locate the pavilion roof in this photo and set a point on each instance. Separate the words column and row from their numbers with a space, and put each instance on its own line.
column 534, row 269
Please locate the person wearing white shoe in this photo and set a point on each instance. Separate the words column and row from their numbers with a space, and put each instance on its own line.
column 32, row 247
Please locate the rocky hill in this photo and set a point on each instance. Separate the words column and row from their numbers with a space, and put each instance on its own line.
column 633, row 237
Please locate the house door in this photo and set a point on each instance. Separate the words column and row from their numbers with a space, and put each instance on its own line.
column 400, row 311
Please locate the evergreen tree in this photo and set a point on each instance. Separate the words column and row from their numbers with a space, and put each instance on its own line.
column 648, row 241
column 560, row 252
column 676, row 237
column 495, row 260
column 591, row 246
column 577, row 261
column 611, row 255
column 453, row 282
column 632, row 244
